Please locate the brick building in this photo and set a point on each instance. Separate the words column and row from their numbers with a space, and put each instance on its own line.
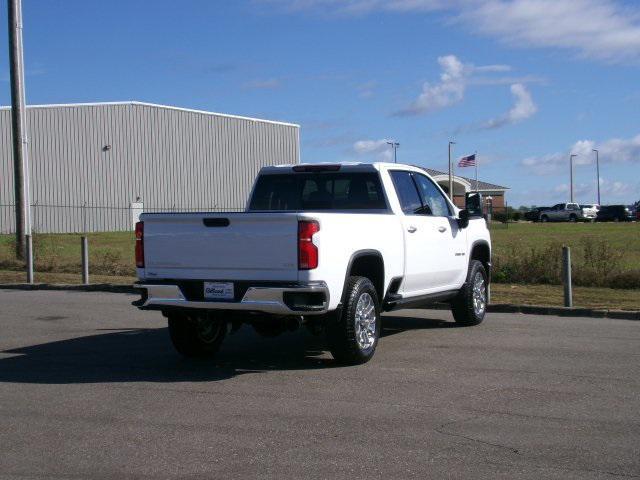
column 462, row 185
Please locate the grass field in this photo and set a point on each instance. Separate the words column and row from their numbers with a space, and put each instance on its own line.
column 621, row 237
column 109, row 253
column 111, row 258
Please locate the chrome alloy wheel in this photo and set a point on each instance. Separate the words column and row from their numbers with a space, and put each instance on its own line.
column 479, row 294
column 365, row 322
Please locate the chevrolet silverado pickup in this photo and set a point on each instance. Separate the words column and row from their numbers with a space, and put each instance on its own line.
column 329, row 246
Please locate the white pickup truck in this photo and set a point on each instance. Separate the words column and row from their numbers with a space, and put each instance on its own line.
column 329, row 246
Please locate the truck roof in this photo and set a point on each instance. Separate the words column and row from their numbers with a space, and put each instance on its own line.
column 344, row 166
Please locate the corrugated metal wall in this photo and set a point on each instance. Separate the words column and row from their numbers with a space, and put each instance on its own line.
column 105, row 156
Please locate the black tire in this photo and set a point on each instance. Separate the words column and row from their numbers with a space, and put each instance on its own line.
column 196, row 335
column 342, row 330
column 463, row 305
column 544, row 219
column 573, row 218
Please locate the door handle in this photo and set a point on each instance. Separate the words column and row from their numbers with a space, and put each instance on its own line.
column 442, row 229
column 411, row 229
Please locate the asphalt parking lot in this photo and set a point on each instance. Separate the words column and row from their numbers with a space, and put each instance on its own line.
column 91, row 387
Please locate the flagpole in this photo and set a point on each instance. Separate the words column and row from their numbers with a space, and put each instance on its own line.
column 476, row 162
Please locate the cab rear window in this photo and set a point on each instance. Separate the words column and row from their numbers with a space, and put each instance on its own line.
column 319, row 191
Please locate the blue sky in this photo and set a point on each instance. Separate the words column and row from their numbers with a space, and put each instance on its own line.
column 523, row 82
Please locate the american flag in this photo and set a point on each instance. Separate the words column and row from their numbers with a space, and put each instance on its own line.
column 468, row 161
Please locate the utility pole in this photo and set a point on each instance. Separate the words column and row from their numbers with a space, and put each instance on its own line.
column 597, row 174
column 19, row 128
column 395, row 146
column 450, row 173
column 571, row 173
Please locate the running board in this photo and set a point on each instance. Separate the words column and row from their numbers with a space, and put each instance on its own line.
column 395, row 302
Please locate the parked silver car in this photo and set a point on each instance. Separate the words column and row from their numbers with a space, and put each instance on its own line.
column 562, row 212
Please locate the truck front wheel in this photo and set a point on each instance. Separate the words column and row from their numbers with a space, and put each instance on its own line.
column 196, row 335
column 470, row 305
column 353, row 333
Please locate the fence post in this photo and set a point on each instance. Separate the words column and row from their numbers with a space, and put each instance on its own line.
column 85, row 259
column 29, row 259
column 566, row 276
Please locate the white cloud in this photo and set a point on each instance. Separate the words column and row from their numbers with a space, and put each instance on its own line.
column 615, row 150
column 359, row 7
column 599, row 29
column 454, row 78
column 608, row 189
column 377, row 148
column 523, row 108
column 616, row 189
column 449, row 91
column 268, row 84
column 606, row 30
column 366, row 89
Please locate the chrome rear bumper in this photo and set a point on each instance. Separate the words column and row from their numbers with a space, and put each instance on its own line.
column 280, row 300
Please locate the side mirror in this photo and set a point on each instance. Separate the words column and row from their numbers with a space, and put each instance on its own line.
column 473, row 204
column 463, row 218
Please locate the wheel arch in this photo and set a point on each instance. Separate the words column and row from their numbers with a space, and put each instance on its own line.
column 481, row 251
column 369, row 264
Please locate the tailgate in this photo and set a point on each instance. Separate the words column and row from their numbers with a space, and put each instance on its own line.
column 219, row 246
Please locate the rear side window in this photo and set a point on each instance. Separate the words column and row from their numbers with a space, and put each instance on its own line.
column 319, row 191
column 407, row 193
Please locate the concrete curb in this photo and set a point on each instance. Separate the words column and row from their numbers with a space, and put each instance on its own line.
column 93, row 287
column 493, row 308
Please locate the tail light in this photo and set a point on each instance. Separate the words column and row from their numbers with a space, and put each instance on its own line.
column 140, row 244
column 307, row 251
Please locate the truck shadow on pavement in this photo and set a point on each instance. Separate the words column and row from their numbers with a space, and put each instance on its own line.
column 146, row 355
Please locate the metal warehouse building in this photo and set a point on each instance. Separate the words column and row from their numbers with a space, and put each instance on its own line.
column 94, row 167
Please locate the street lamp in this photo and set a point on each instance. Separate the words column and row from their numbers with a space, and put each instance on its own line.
column 395, row 146
column 450, row 173
column 571, row 173
column 597, row 174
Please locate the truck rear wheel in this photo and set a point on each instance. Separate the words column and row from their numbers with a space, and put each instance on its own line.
column 196, row 335
column 353, row 334
column 470, row 305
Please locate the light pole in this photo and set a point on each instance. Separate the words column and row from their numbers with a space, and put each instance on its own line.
column 450, row 173
column 597, row 174
column 571, row 173
column 395, row 146
column 19, row 128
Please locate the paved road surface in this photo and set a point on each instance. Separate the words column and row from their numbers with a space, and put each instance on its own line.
column 90, row 387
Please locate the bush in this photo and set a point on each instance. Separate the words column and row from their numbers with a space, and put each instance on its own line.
column 533, row 265
column 628, row 279
column 109, row 262
column 594, row 264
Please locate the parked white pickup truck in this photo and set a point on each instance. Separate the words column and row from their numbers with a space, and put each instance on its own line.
column 327, row 246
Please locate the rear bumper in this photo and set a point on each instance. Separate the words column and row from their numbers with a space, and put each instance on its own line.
column 292, row 299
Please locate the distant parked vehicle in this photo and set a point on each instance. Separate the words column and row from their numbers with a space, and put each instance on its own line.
column 614, row 213
column 590, row 211
column 533, row 215
column 562, row 212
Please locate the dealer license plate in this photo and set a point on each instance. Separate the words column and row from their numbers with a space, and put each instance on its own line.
column 218, row 291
